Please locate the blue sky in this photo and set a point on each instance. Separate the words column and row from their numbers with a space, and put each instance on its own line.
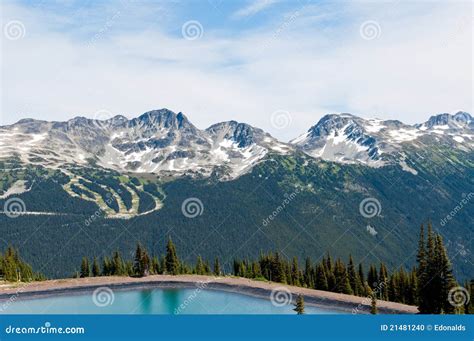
column 245, row 60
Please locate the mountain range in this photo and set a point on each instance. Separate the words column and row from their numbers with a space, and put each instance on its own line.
column 163, row 142
column 138, row 173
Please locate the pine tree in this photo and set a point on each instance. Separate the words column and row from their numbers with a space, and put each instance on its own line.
column 14, row 269
column 429, row 286
column 85, row 269
column 342, row 280
column 128, row 269
column 331, row 281
column 445, row 274
column 412, row 295
column 383, row 282
column 278, row 270
column 469, row 305
column 95, row 268
column 137, row 264
column 373, row 305
column 403, row 285
column 421, row 272
column 299, row 306
column 217, row 267
column 256, row 270
column 432, row 268
column 372, row 277
column 353, row 280
column 106, row 267
column 171, row 259
column 295, row 273
column 156, row 266
column 362, row 283
column 242, row 269
column 207, row 268
column 118, row 266
column 329, row 263
column 145, row 263
column 421, row 255
column 236, row 267
column 435, row 276
column 308, row 276
column 321, row 280
column 393, row 289
column 287, row 271
column 199, row 269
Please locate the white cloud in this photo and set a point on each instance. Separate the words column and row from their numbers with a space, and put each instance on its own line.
column 253, row 8
column 418, row 66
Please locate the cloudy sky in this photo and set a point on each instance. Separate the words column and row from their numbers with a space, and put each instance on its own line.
column 274, row 64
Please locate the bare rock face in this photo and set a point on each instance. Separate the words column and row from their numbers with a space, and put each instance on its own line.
column 347, row 138
column 161, row 141
column 157, row 141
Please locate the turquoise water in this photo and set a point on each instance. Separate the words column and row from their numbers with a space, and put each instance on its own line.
column 151, row 301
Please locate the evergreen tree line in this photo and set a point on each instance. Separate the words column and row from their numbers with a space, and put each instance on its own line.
column 436, row 280
column 335, row 276
column 14, row 269
column 143, row 264
column 426, row 285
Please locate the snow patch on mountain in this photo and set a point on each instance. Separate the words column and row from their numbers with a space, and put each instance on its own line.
column 346, row 138
column 18, row 187
column 168, row 144
column 158, row 141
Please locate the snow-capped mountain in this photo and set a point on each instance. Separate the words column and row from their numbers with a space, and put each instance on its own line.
column 158, row 141
column 347, row 138
column 165, row 143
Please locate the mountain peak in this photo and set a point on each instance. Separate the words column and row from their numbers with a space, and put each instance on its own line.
column 27, row 121
column 164, row 141
column 332, row 122
column 241, row 133
column 163, row 118
column 447, row 121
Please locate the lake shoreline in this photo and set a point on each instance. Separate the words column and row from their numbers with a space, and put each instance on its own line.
column 323, row 299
